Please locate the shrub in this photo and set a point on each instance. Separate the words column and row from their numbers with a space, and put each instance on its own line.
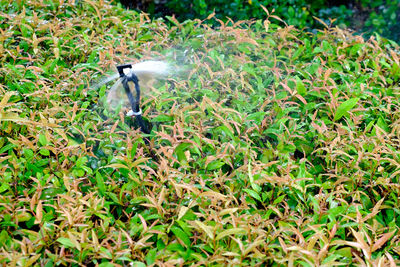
column 275, row 146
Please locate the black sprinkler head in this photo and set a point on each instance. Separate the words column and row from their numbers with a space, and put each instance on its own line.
column 131, row 77
column 121, row 68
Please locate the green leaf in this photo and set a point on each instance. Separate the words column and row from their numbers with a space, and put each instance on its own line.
column 180, row 151
column 114, row 197
column 66, row 242
column 214, row 165
column 223, row 130
column 326, row 46
column 81, row 161
column 301, row 89
column 356, row 49
column 181, row 235
column 28, row 153
column 279, row 199
column 257, row 116
column 4, row 237
column 42, row 139
column 207, row 229
column 383, row 125
column 233, row 231
column 163, row 118
column 106, row 264
column 44, row 152
column 151, row 256
column 137, row 264
column 4, row 187
column 252, row 193
column 7, row 147
column 146, row 37
column 100, row 183
column 345, row 107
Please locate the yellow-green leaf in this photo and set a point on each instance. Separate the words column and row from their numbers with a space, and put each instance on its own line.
column 233, row 231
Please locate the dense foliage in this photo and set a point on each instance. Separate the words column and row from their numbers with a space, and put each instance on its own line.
column 273, row 146
column 363, row 16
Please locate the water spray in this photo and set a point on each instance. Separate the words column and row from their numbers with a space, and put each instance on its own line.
column 135, row 103
column 131, row 74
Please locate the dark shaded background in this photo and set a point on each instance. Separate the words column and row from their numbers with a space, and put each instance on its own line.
column 363, row 16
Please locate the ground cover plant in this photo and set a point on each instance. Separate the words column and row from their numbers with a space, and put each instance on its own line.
column 269, row 146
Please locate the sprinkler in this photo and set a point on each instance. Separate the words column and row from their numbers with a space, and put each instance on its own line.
column 135, row 103
column 132, row 74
